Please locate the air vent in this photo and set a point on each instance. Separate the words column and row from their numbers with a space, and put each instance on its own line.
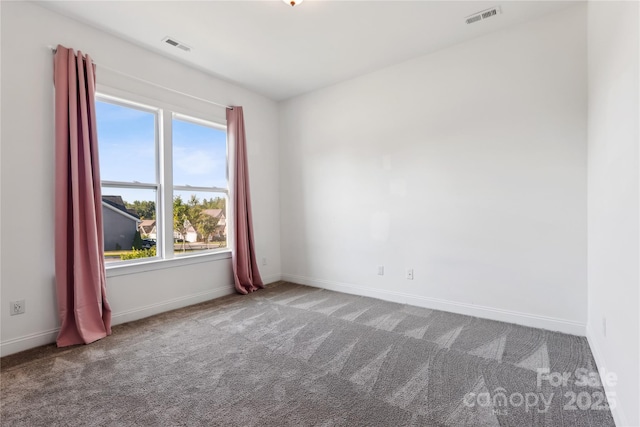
column 482, row 15
column 175, row 43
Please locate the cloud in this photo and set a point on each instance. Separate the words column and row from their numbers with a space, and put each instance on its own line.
column 197, row 163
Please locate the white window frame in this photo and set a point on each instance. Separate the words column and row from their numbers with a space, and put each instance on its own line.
column 213, row 189
column 165, row 113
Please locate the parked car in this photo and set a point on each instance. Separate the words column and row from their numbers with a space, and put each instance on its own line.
column 148, row 243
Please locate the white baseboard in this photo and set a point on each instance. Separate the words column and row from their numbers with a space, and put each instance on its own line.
column 525, row 319
column 16, row 345
column 271, row 279
column 38, row 339
column 617, row 412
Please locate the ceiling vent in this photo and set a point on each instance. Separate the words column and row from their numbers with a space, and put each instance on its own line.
column 175, row 43
column 482, row 15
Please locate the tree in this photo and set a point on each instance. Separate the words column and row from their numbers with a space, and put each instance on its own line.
column 180, row 218
column 137, row 241
column 145, row 209
column 206, row 226
column 217, row 203
column 185, row 215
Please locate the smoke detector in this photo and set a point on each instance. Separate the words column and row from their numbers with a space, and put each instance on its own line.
column 483, row 14
column 175, row 43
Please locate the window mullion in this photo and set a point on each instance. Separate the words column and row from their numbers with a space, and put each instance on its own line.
column 118, row 184
column 166, row 182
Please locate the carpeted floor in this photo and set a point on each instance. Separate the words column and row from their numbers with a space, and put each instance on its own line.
column 292, row 355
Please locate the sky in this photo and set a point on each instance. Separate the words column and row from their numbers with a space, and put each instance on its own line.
column 126, row 141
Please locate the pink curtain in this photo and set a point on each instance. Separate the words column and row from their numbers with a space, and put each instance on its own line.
column 84, row 312
column 245, row 267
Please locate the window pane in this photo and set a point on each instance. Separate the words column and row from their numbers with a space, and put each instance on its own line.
column 200, row 221
column 129, row 223
column 199, row 155
column 126, row 141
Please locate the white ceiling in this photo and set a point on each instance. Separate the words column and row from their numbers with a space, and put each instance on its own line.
column 280, row 51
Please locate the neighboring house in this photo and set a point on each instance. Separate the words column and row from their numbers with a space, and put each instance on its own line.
column 119, row 224
column 220, row 232
column 221, row 228
column 191, row 237
column 147, row 228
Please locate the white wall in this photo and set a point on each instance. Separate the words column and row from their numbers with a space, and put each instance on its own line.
column 28, row 162
column 613, row 273
column 467, row 165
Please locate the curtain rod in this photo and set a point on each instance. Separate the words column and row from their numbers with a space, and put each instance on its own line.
column 54, row 50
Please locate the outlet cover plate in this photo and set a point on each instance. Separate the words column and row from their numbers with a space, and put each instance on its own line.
column 17, row 307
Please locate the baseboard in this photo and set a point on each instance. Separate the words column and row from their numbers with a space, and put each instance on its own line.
column 38, row 339
column 271, row 278
column 617, row 412
column 16, row 345
column 525, row 319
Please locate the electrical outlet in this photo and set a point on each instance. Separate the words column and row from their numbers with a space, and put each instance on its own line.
column 381, row 270
column 604, row 326
column 17, row 307
column 409, row 273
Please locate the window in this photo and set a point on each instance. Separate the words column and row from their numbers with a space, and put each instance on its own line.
column 164, row 182
column 199, row 184
column 128, row 148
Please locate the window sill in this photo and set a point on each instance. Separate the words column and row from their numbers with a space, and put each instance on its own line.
column 160, row 264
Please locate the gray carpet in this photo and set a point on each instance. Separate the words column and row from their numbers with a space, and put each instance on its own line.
column 292, row 355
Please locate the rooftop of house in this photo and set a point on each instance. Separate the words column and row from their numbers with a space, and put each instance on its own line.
column 216, row 213
column 118, row 203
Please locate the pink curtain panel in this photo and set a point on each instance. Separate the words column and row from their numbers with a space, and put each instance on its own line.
column 245, row 267
column 84, row 312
